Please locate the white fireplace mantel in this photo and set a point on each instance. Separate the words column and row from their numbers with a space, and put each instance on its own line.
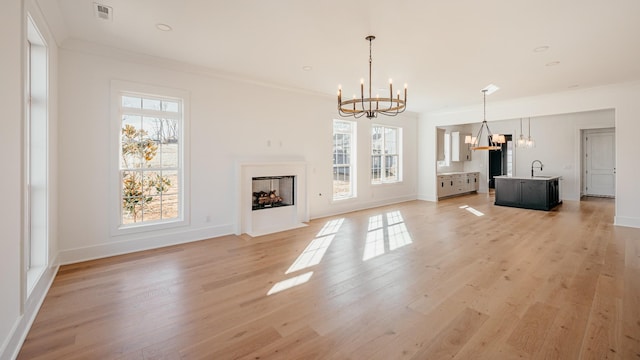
column 267, row 221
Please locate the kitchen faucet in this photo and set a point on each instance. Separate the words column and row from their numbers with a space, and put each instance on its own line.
column 532, row 167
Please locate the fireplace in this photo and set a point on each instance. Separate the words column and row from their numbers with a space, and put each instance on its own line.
column 272, row 191
column 282, row 185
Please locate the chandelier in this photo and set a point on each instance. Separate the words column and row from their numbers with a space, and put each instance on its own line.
column 494, row 141
column 372, row 106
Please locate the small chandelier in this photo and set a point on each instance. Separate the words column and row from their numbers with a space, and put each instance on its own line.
column 527, row 142
column 370, row 106
column 494, row 141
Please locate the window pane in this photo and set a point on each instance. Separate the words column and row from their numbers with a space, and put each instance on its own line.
column 170, row 131
column 169, row 155
column 132, row 192
column 152, row 128
column 170, row 106
column 376, row 140
column 151, row 104
column 170, row 181
column 390, row 139
column 131, row 102
column 376, row 168
column 343, row 132
column 152, row 183
column 391, row 168
column 170, row 206
column 152, row 208
column 131, row 154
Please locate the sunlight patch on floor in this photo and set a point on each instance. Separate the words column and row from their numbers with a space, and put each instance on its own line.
column 289, row 283
column 472, row 210
column 385, row 233
column 310, row 256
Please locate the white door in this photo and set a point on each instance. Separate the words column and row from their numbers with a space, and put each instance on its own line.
column 600, row 162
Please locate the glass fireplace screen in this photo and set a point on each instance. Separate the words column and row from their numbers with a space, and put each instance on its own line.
column 273, row 191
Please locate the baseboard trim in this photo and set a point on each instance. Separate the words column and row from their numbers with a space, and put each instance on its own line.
column 626, row 221
column 424, row 197
column 363, row 206
column 143, row 242
column 12, row 347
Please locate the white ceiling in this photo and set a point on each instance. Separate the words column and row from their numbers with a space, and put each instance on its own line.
column 446, row 50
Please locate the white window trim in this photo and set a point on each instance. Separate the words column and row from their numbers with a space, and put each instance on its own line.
column 36, row 252
column 117, row 88
column 400, row 156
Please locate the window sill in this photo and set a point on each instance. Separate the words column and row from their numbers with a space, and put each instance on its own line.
column 148, row 227
column 387, row 183
column 343, row 200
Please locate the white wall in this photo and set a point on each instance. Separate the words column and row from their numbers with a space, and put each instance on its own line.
column 11, row 30
column 622, row 98
column 17, row 311
column 230, row 120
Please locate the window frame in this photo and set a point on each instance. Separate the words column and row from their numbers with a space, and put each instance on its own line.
column 36, row 160
column 383, row 155
column 352, row 160
column 125, row 88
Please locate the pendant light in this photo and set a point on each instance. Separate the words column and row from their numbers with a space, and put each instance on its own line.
column 494, row 141
column 522, row 141
column 530, row 142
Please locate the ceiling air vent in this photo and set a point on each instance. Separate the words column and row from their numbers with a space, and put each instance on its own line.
column 103, row 12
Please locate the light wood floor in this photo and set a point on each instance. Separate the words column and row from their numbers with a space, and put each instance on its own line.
column 438, row 282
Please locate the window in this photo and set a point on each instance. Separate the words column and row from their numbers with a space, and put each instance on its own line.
column 447, row 151
column 36, row 156
column 151, row 157
column 343, row 159
column 385, row 154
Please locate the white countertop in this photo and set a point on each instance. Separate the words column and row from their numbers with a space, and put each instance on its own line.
column 456, row 173
column 536, row 177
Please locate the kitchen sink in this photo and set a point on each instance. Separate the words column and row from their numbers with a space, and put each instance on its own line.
column 543, row 176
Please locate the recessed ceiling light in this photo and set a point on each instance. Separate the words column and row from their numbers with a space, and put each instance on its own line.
column 490, row 89
column 541, row 48
column 307, row 68
column 164, row 27
column 553, row 63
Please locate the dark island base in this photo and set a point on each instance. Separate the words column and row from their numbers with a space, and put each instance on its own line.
column 535, row 194
column 545, row 208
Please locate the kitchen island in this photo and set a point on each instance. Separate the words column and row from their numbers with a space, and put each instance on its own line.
column 536, row 192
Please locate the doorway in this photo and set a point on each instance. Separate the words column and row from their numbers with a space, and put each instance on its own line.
column 501, row 161
column 599, row 159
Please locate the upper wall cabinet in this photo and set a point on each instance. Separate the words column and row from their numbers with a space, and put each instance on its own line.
column 459, row 150
column 440, row 142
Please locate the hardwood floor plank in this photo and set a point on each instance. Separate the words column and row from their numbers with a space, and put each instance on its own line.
column 531, row 331
column 444, row 283
column 450, row 340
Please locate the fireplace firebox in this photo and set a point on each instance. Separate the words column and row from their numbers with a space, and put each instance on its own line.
column 272, row 191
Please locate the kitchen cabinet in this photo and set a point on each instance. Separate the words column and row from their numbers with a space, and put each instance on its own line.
column 452, row 184
column 473, row 183
column 459, row 150
column 538, row 193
